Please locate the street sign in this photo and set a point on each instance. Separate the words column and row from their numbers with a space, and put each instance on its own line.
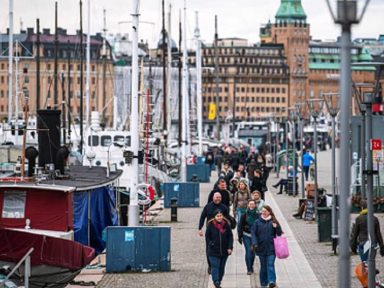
column 375, row 144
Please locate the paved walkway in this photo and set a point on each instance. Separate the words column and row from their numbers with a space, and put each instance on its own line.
column 311, row 264
column 292, row 272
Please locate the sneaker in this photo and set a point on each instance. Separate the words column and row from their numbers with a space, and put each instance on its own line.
column 209, row 270
column 217, row 285
column 249, row 273
column 272, row 285
column 274, row 186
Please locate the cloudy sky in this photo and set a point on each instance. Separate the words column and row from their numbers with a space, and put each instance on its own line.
column 236, row 18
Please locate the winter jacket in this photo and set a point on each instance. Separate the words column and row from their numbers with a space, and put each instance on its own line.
column 244, row 226
column 208, row 212
column 241, row 199
column 262, row 236
column 360, row 230
column 217, row 243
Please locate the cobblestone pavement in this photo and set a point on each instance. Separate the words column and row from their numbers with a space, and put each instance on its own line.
column 319, row 255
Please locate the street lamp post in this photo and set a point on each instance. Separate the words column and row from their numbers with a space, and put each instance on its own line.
column 315, row 106
column 332, row 102
column 346, row 16
column 300, row 108
column 293, row 115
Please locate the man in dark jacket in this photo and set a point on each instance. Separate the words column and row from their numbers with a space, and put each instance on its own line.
column 222, row 189
column 360, row 233
column 210, row 208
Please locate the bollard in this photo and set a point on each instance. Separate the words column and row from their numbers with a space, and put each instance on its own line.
column 173, row 210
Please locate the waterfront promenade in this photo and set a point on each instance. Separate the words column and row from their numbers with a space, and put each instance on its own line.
column 311, row 264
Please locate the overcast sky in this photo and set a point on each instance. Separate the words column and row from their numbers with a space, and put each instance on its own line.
column 236, row 18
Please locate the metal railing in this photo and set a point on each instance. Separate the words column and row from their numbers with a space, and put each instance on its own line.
column 27, row 269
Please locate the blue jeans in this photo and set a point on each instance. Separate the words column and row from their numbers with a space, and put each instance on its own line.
column 360, row 249
column 249, row 255
column 239, row 212
column 267, row 270
column 217, row 268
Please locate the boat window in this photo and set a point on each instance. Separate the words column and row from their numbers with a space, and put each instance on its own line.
column 14, row 204
column 118, row 139
column 94, row 141
column 106, row 140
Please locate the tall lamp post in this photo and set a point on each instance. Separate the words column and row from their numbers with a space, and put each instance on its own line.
column 332, row 102
column 346, row 16
column 315, row 106
column 293, row 116
column 301, row 109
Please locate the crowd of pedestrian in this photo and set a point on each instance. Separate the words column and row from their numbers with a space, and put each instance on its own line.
column 240, row 189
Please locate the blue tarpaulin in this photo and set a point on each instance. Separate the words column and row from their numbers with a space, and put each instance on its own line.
column 103, row 213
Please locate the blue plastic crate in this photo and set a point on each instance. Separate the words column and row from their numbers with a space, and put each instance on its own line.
column 200, row 170
column 186, row 193
column 138, row 249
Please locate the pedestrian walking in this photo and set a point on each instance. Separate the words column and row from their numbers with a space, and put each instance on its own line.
column 263, row 231
column 208, row 214
column 244, row 233
column 306, row 163
column 256, row 196
column 219, row 238
column 221, row 187
column 241, row 198
column 360, row 233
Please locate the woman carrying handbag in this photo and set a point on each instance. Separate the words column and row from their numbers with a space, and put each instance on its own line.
column 263, row 231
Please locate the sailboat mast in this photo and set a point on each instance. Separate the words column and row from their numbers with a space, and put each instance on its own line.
column 133, row 218
column 104, row 55
column 55, row 76
column 81, row 77
column 10, row 61
column 88, row 64
column 169, row 62
column 180, row 84
column 198, row 85
column 164, row 51
column 37, row 65
column 185, row 99
column 68, row 91
column 217, row 82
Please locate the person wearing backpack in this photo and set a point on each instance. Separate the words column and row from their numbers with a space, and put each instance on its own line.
column 244, row 233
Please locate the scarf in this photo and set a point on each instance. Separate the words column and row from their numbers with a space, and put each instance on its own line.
column 219, row 226
column 364, row 211
column 252, row 215
column 266, row 218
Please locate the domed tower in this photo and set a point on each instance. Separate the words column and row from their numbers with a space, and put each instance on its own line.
column 291, row 30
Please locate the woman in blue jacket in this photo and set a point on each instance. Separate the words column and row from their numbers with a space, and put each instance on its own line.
column 219, row 239
column 263, row 231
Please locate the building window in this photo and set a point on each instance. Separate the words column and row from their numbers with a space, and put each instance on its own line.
column 93, row 94
column 2, row 93
column 93, row 68
column 48, row 67
column 93, row 80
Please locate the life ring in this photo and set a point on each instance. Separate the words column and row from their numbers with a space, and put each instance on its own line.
column 147, row 193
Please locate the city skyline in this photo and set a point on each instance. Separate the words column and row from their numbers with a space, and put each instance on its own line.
column 229, row 13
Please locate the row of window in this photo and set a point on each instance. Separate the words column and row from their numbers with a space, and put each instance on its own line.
column 247, row 89
column 247, row 99
column 248, row 60
column 93, row 108
column 248, row 109
column 49, row 67
column 242, row 51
